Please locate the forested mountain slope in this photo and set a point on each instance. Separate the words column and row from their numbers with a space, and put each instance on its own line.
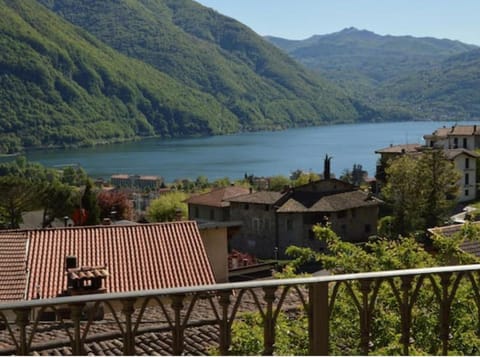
column 453, row 86
column 370, row 67
column 60, row 86
column 147, row 67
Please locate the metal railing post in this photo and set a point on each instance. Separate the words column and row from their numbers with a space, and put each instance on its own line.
column 318, row 321
column 22, row 322
column 225, row 326
column 128, row 338
column 269, row 323
column 177, row 306
column 76, row 314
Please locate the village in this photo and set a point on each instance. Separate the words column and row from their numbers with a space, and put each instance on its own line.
column 238, row 232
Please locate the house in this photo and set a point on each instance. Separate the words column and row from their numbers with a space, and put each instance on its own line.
column 465, row 162
column 214, row 205
column 136, row 181
column 456, row 137
column 47, row 263
column 272, row 221
column 468, row 246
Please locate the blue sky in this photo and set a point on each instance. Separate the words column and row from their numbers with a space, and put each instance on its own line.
column 299, row 19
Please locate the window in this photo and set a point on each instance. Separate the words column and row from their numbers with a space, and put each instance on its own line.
column 467, row 179
column 464, row 143
column 466, row 193
column 455, row 143
column 256, row 225
column 368, row 228
column 467, row 163
column 289, row 224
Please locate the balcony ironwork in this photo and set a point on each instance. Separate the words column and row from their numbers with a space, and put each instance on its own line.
column 79, row 317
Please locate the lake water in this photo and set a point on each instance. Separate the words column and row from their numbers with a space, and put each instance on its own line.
column 260, row 153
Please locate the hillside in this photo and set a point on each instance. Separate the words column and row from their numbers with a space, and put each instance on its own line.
column 368, row 65
column 147, row 68
column 450, row 87
column 370, row 56
column 59, row 86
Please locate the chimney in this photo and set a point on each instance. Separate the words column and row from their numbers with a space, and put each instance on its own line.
column 70, row 262
column 326, row 167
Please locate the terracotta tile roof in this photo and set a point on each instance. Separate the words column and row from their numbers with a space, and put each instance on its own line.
column 218, row 197
column 140, row 257
column 453, row 153
column 88, row 272
column 13, row 254
column 399, row 149
column 468, row 246
column 317, row 202
column 260, row 197
column 464, row 130
column 460, row 130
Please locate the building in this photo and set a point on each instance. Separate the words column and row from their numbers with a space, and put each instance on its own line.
column 456, row 137
column 272, row 221
column 136, row 181
column 35, row 263
column 214, row 205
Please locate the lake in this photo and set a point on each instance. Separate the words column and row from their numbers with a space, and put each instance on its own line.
column 260, row 153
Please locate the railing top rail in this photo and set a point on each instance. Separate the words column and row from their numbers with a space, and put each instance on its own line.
column 22, row 304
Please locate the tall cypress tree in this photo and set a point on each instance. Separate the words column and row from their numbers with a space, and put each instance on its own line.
column 90, row 204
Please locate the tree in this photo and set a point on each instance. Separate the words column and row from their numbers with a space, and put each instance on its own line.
column 420, row 191
column 356, row 176
column 114, row 204
column 379, row 255
column 279, row 182
column 58, row 201
column 90, row 205
column 167, row 207
column 18, row 195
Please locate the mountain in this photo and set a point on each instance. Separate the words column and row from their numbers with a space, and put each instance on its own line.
column 449, row 87
column 367, row 55
column 371, row 66
column 76, row 72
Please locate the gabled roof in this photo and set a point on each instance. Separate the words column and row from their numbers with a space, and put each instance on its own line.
column 139, row 257
column 468, row 246
column 315, row 202
column 453, row 153
column 13, row 269
column 218, row 197
column 399, row 149
column 456, row 130
column 260, row 197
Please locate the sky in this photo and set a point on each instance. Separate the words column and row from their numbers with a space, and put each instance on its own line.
column 300, row 19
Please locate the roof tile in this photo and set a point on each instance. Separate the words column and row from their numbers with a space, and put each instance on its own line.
column 137, row 257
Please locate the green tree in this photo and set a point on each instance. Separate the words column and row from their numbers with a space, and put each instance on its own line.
column 18, row 195
column 58, row 201
column 279, row 182
column 167, row 207
column 90, row 204
column 380, row 255
column 420, row 191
